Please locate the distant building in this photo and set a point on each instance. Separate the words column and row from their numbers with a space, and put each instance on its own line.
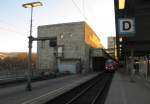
column 111, row 46
column 69, row 48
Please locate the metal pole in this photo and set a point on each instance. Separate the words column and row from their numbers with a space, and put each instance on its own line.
column 114, row 47
column 147, row 71
column 31, row 21
column 117, row 34
column 28, row 87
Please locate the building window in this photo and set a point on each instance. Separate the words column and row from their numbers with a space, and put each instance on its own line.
column 53, row 42
column 61, row 36
column 42, row 44
column 70, row 34
column 60, row 51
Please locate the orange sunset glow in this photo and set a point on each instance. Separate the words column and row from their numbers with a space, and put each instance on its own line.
column 91, row 38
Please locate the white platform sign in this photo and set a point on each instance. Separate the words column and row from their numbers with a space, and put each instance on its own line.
column 126, row 26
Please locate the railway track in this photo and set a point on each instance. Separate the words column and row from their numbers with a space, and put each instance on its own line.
column 92, row 92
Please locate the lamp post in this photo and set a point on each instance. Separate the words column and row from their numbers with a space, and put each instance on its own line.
column 30, row 5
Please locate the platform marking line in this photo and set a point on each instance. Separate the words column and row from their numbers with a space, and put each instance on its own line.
column 123, row 94
column 44, row 95
column 32, row 101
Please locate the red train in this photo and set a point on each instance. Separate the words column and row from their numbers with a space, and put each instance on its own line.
column 110, row 65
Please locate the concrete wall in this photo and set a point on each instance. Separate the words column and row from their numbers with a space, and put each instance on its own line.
column 69, row 35
column 97, row 52
column 70, row 66
column 143, row 66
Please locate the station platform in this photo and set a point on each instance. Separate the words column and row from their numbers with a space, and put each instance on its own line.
column 42, row 91
column 125, row 91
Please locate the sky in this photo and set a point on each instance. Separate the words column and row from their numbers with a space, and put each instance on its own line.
column 15, row 20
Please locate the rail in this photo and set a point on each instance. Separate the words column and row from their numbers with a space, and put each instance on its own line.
column 91, row 92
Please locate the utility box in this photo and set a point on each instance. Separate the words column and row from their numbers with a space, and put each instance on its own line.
column 69, row 66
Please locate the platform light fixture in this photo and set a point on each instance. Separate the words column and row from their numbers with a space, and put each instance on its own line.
column 31, row 5
column 122, row 4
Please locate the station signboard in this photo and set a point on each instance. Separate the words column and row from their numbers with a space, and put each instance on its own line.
column 126, row 27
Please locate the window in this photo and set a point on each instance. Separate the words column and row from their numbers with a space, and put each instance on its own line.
column 61, row 36
column 60, row 50
column 53, row 42
column 42, row 44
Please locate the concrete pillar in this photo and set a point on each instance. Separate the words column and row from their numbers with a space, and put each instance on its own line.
column 148, row 68
column 132, row 70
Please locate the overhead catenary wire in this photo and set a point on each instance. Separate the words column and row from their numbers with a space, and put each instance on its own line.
column 80, row 11
column 10, row 30
column 9, row 24
column 8, row 27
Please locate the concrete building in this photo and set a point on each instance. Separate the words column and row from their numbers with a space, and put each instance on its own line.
column 69, row 47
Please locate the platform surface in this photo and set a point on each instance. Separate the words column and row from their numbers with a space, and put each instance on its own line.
column 124, row 91
column 42, row 91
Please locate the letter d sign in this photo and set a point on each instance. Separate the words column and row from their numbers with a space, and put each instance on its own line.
column 126, row 26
